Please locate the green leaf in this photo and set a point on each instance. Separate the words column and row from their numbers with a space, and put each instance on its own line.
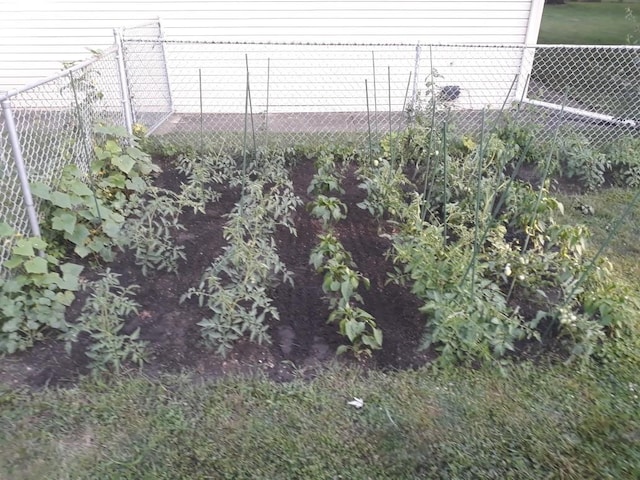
column 377, row 334
column 79, row 234
column 6, row 230
column 70, row 276
column 342, row 349
column 353, row 329
column 38, row 243
column 12, row 325
column 137, row 184
column 124, row 162
column 111, row 228
column 24, row 247
column 62, row 200
column 65, row 222
column 36, row 265
column 80, row 189
column 110, row 130
column 41, row 190
column 13, row 262
column 117, row 180
column 81, row 251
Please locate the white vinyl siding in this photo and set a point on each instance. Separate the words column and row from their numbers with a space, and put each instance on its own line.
column 37, row 36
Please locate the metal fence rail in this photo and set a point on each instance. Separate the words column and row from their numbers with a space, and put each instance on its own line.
column 198, row 91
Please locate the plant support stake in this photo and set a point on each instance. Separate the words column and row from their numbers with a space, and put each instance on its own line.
column 22, row 172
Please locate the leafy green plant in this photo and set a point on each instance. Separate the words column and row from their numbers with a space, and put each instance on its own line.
column 581, row 160
column 328, row 210
column 340, row 284
column 203, row 173
column 235, row 287
column 383, row 184
column 121, row 169
column 74, row 214
column 152, row 220
column 88, row 211
column 102, row 319
column 35, row 294
column 624, row 158
column 328, row 247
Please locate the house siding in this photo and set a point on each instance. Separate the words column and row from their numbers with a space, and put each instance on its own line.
column 36, row 37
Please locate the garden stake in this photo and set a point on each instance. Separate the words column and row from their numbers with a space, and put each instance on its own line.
column 244, row 143
column 266, row 115
column 430, row 160
column 375, row 94
column 391, row 139
column 201, row 118
column 366, row 89
column 444, row 203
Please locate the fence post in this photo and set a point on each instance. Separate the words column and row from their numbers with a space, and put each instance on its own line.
column 12, row 131
column 125, row 97
column 165, row 65
column 416, row 73
column 526, row 67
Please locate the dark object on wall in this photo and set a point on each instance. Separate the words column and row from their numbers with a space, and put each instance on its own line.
column 449, row 93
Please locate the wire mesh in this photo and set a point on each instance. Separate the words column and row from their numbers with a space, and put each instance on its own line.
column 291, row 92
column 294, row 92
column 146, row 67
column 54, row 121
column 599, row 85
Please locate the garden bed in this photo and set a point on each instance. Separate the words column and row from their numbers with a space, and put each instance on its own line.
column 289, row 261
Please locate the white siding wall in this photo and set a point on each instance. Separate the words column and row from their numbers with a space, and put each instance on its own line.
column 36, row 36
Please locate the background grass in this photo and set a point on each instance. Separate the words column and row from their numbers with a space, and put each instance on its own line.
column 583, row 23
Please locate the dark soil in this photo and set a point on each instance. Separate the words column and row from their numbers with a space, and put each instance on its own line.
column 302, row 341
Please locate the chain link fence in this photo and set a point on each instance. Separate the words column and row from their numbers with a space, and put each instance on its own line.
column 53, row 122
column 199, row 93
column 297, row 92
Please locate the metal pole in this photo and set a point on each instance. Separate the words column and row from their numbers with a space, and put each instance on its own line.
column 165, row 65
column 22, row 171
column 416, row 74
column 125, row 96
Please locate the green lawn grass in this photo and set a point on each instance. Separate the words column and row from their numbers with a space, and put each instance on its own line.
column 528, row 422
column 587, row 23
